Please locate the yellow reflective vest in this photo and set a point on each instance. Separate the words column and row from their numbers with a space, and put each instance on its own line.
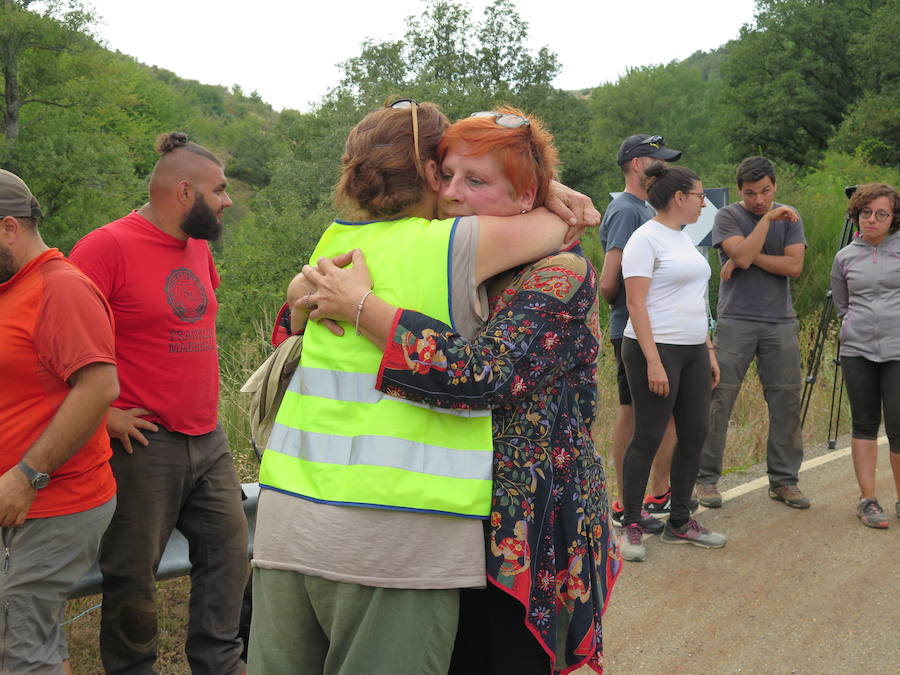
column 337, row 439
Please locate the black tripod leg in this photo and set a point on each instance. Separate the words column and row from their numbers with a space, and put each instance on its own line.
column 815, row 357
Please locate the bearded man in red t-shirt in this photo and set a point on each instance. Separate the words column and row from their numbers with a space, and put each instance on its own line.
column 170, row 456
column 57, row 378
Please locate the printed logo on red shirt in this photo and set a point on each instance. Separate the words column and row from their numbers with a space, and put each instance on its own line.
column 186, row 295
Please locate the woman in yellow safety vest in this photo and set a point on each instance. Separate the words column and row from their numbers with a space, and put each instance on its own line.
column 369, row 518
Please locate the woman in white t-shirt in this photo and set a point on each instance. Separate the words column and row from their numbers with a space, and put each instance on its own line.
column 668, row 354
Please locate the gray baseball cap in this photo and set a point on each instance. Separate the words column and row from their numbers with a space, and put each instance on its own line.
column 645, row 145
column 15, row 198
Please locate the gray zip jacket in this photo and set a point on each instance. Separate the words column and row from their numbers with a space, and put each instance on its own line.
column 865, row 285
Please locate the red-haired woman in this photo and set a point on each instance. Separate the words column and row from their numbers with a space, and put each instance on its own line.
column 865, row 284
column 551, row 560
column 367, row 525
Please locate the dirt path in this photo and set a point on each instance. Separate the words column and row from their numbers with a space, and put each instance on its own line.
column 793, row 591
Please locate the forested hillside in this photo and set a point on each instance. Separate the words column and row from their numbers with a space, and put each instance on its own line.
column 813, row 84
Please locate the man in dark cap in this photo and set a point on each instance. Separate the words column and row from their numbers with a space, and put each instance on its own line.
column 57, row 378
column 627, row 212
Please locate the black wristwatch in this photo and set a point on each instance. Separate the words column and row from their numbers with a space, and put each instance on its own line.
column 38, row 479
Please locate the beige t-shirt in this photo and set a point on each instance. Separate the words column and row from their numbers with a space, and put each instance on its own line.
column 379, row 547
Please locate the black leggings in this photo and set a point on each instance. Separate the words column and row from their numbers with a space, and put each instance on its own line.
column 871, row 386
column 688, row 370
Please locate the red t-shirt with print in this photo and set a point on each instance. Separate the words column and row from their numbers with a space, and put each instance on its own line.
column 162, row 293
column 53, row 322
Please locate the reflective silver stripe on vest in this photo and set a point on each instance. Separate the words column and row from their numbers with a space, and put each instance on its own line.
column 396, row 453
column 356, row 388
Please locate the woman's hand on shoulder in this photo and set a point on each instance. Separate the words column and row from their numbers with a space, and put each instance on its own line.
column 575, row 208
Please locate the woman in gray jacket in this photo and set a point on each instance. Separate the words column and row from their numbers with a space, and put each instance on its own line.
column 865, row 282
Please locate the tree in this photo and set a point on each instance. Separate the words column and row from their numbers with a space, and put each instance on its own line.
column 379, row 71
column 872, row 127
column 440, row 50
column 790, row 79
column 674, row 101
column 447, row 58
column 31, row 46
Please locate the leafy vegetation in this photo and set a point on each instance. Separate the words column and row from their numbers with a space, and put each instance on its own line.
column 813, row 84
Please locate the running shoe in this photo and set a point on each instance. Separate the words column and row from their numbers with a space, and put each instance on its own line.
column 871, row 514
column 662, row 504
column 632, row 544
column 617, row 512
column 692, row 533
column 650, row 524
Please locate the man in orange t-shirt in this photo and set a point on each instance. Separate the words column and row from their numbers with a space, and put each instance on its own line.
column 57, row 378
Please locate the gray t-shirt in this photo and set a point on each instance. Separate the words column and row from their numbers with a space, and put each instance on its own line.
column 625, row 214
column 754, row 294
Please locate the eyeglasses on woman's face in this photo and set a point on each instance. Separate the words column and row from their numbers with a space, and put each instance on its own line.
column 700, row 194
column 880, row 215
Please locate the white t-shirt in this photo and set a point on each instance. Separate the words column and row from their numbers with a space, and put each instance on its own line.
column 679, row 275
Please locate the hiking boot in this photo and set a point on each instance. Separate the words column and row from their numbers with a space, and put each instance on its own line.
column 650, row 524
column 662, row 504
column 692, row 533
column 790, row 495
column 708, row 495
column 632, row 545
column 871, row 514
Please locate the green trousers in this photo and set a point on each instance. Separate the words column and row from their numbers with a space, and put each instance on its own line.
column 307, row 625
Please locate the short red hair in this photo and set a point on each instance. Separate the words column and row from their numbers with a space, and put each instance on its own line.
column 526, row 153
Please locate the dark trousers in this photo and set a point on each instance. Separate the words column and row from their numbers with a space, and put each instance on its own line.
column 777, row 352
column 690, row 384
column 492, row 638
column 871, row 386
column 188, row 483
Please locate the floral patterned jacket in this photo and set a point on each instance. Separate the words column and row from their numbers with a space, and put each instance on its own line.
column 534, row 363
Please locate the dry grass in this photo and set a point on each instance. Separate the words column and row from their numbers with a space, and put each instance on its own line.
column 172, row 603
column 746, row 447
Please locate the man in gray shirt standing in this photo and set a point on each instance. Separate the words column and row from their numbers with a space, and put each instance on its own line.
column 761, row 246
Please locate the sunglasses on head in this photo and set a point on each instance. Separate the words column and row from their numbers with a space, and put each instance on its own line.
column 413, row 105
column 652, row 141
column 508, row 120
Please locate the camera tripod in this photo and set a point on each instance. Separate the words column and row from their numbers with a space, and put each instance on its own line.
column 815, row 356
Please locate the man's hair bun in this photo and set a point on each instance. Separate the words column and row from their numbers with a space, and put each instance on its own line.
column 166, row 143
column 169, row 142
